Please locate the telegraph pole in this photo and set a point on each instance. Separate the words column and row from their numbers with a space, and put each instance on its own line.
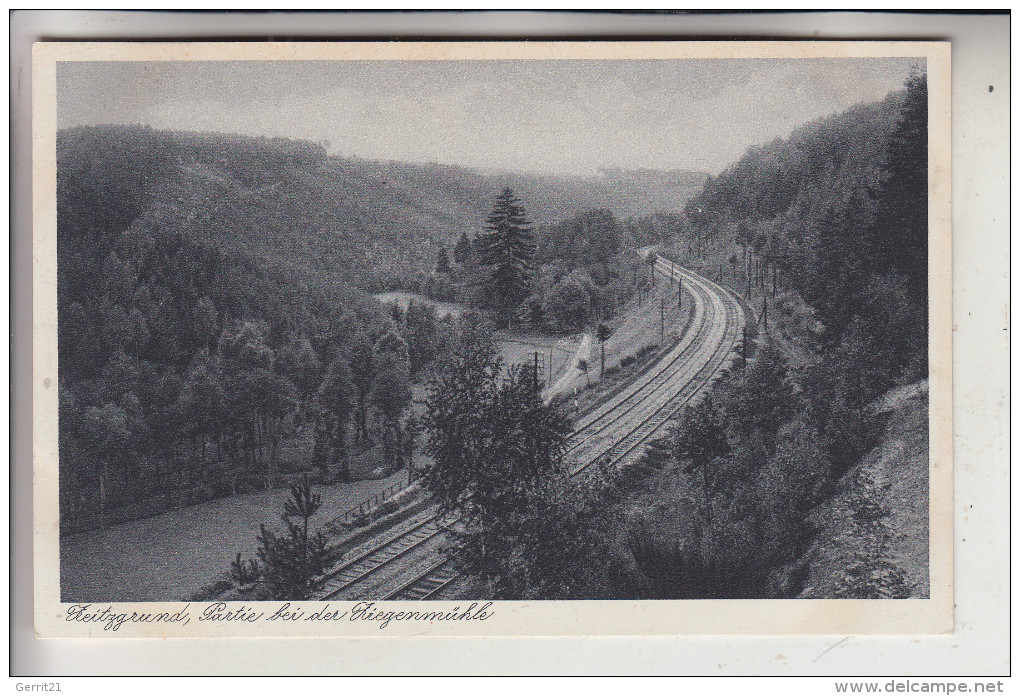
column 765, row 312
column 744, row 347
column 535, row 371
column 679, row 292
column 662, row 320
column 602, row 333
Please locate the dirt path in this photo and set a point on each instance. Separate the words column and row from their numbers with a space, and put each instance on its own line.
column 569, row 378
column 638, row 324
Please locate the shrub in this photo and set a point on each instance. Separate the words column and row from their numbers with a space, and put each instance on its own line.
column 244, row 573
column 288, row 563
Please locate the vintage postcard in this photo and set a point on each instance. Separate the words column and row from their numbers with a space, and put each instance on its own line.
column 485, row 339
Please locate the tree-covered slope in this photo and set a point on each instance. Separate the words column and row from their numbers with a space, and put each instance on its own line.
column 213, row 321
column 838, row 213
column 828, row 231
column 210, row 329
column 328, row 218
column 749, row 497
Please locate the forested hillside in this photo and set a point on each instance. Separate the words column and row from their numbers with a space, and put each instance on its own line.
column 213, row 323
column 194, row 361
column 838, row 213
column 824, row 235
column 461, row 195
column 453, row 202
column 329, row 219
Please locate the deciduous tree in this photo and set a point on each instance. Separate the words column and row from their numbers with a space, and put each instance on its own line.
column 496, row 447
column 334, row 406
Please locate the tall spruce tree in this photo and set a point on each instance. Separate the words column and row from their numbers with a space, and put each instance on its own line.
column 443, row 261
column 462, row 251
column 507, row 248
column 900, row 229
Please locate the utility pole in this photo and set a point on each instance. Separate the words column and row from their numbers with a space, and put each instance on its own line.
column 765, row 312
column 602, row 333
column 679, row 292
column 744, row 347
column 662, row 320
column 535, row 371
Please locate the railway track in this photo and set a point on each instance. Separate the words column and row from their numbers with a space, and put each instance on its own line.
column 649, row 383
column 680, row 379
column 366, row 563
column 614, row 433
column 625, row 449
column 427, row 584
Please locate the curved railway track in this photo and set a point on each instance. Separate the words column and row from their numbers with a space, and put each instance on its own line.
column 427, row 584
column 679, row 376
column 650, row 382
column 613, row 433
column 366, row 563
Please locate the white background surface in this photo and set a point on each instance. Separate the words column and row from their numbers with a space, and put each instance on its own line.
column 979, row 645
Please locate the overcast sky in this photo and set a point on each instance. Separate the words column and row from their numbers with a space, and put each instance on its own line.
column 571, row 117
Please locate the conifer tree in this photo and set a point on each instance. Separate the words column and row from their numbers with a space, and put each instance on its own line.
column 900, row 230
column 462, row 251
column 507, row 248
column 443, row 261
column 288, row 563
column 765, row 399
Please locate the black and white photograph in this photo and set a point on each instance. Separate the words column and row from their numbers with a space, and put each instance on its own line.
column 470, row 331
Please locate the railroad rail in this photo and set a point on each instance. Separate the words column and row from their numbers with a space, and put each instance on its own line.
column 647, row 384
column 367, row 562
column 613, row 433
column 426, row 584
column 682, row 376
